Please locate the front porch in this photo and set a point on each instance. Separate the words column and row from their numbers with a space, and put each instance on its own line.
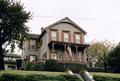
column 67, row 52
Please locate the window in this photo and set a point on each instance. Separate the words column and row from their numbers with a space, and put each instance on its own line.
column 14, row 59
column 5, row 58
column 54, row 35
column 77, row 38
column 66, row 37
column 53, row 56
column 32, row 44
column 32, row 58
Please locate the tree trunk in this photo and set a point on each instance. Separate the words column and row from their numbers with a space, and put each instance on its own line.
column 1, row 58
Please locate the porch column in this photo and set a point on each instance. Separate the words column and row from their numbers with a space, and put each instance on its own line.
column 82, row 57
column 53, row 48
column 76, row 53
column 53, row 51
column 64, row 54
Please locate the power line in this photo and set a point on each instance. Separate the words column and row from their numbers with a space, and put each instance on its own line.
column 80, row 18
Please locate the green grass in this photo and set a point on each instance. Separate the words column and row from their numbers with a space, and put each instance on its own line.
column 114, row 75
column 19, row 72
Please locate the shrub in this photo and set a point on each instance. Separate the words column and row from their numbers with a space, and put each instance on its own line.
column 13, row 77
column 35, row 66
column 105, row 78
column 50, row 65
column 72, row 78
column 53, row 65
column 76, row 68
column 96, row 69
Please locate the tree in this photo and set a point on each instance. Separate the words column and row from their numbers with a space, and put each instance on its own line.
column 97, row 53
column 12, row 26
column 114, row 59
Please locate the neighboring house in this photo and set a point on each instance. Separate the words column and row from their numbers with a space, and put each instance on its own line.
column 10, row 61
column 64, row 41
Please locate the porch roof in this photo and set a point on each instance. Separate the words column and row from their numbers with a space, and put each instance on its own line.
column 68, row 43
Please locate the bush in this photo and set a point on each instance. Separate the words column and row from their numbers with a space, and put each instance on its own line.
column 76, row 68
column 35, row 66
column 53, row 65
column 72, row 78
column 50, row 65
column 13, row 77
column 96, row 69
column 105, row 78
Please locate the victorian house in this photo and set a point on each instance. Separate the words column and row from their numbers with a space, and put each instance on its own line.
column 63, row 40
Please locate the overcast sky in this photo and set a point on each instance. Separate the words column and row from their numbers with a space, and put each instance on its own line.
column 100, row 18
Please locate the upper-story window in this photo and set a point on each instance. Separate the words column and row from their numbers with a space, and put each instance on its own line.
column 77, row 38
column 66, row 36
column 54, row 35
column 33, row 44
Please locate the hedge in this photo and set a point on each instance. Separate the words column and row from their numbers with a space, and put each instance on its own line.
column 34, row 66
column 96, row 69
column 54, row 65
column 13, row 77
column 105, row 78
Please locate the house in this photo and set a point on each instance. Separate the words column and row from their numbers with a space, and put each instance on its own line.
column 10, row 61
column 63, row 40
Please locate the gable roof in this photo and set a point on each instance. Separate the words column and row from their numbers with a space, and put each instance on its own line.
column 34, row 36
column 64, row 20
column 67, row 20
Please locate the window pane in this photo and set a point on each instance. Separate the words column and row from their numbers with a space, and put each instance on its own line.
column 66, row 37
column 53, row 35
column 77, row 38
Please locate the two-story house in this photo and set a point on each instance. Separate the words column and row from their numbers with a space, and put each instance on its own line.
column 63, row 40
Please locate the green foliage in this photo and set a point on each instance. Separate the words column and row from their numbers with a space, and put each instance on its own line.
column 53, row 65
column 114, row 59
column 50, row 65
column 76, row 68
column 97, row 52
column 12, row 26
column 35, row 66
column 95, row 69
column 13, row 77
column 13, row 18
column 105, row 78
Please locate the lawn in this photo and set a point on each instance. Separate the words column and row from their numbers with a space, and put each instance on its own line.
column 19, row 72
column 114, row 75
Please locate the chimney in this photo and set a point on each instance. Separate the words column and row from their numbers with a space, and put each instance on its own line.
column 42, row 29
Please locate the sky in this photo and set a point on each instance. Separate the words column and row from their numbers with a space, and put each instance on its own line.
column 100, row 18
